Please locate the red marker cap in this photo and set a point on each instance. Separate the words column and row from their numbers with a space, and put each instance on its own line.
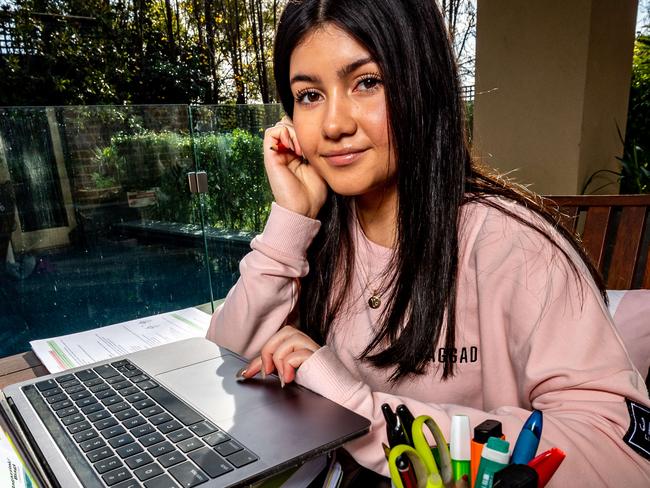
column 546, row 464
column 281, row 148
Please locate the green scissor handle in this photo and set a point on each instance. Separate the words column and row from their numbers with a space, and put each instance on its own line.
column 424, row 450
column 426, row 478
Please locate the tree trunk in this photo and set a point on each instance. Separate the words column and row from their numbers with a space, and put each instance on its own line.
column 240, row 87
column 196, row 10
column 264, row 77
column 211, row 48
column 169, row 21
column 229, row 11
column 257, row 29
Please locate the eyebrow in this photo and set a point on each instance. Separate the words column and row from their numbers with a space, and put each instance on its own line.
column 350, row 68
column 342, row 73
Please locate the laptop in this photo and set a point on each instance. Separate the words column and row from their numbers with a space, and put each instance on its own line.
column 170, row 416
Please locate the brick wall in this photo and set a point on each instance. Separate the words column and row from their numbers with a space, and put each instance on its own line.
column 85, row 130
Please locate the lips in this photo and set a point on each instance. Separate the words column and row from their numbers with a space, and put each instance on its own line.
column 343, row 157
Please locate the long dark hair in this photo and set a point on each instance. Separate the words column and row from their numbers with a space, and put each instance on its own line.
column 409, row 42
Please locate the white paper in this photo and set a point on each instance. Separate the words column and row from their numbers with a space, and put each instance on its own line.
column 74, row 350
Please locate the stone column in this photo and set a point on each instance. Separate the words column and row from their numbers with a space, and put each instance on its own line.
column 552, row 85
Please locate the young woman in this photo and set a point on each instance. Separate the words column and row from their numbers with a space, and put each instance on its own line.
column 392, row 269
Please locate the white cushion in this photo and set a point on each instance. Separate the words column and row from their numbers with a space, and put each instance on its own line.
column 631, row 312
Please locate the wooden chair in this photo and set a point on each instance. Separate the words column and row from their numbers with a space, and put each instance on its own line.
column 615, row 231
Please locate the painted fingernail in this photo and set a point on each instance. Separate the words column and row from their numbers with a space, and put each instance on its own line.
column 281, row 380
column 240, row 374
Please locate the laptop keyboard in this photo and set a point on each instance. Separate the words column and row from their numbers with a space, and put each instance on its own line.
column 135, row 433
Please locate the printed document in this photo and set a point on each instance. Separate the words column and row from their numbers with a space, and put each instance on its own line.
column 74, row 350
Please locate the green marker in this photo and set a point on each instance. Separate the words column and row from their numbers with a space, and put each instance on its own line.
column 494, row 458
column 459, row 446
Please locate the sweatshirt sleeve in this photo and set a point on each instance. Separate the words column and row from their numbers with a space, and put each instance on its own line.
column 267, row 289
column 555, row 343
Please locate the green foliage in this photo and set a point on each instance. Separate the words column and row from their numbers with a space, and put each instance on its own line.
column 634, row 175
column 67, row 52
column 142, row 158
column 469, row 119
column 226, row 118
column 238, row 197
column 102, row 181
column 635, row 169
column 58, row 59
column 110, row 118
column 109, row 161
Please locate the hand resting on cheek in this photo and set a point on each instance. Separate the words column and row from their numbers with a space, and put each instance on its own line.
column 295, row 184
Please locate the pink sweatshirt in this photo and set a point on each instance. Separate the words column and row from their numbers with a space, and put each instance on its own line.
column 529, row 336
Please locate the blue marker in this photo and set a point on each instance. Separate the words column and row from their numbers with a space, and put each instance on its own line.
column 528, row 440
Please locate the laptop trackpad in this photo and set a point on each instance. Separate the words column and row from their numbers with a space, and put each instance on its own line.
column 211, row 387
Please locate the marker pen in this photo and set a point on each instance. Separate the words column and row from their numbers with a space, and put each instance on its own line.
column 459, row 446
column 281, row 148
column 546, row 464
column 482, row 432
column 528, row 440
column 515, row 476
column 493, row 459
column 406, row 472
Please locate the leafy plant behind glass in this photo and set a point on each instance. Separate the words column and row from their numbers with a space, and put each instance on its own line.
column 103, row 182
column 238, row 197
column 635, row 163
column 634, row 176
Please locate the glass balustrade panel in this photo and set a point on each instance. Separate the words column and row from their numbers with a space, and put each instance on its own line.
column 97, row 223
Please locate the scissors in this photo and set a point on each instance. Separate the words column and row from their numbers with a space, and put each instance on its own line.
column 421, row 457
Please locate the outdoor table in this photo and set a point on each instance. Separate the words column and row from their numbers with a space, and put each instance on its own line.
column 26, row 365
column 20, row 367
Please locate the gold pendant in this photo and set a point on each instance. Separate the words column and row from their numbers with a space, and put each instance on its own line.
column 374, row 302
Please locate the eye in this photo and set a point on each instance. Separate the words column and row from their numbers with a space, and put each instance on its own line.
column 369, row 83
column 307, row 97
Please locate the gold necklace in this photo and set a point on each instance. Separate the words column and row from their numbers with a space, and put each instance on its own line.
column 374, row 301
